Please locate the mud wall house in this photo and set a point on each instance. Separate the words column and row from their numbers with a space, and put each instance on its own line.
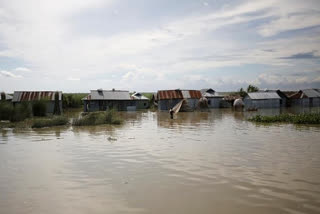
column 306, row 98
column 101, row 100
column 260, row 100
column 167, row 99
column 7, row 97
column 31, row 96
column 142, row 102
column 214, row 99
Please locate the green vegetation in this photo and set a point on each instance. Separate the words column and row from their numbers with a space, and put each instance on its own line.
column 56, row 110
column 98, row 118
column 39, row 108
column 6, row 111
column 148, row 95
column 73, row 100
column 305, row 118
column 242, row 93
column 48, row 122
column 21, row 112
column 252, row 88
column 14, row 114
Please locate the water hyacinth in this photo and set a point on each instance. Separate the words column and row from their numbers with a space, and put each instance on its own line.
column 305, row 118
column 98, row 118
column 54, row 121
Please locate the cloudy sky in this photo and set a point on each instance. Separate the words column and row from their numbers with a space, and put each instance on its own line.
column 145, row 45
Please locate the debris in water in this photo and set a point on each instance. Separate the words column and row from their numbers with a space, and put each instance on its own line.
column 112, row 138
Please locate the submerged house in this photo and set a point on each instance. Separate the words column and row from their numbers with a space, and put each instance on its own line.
column 214, row 99
column 228, row 100
column 259, row 100
column 101, row 100
column 5, row 97
column 306, row 98
column 154, row 99
column 142, row 102
column 284, row 98
column 32, row 96
column 167, row 99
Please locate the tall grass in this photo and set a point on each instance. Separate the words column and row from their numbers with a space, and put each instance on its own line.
column 6, row 110
column 73, row 100
column 14, row 113
column 48, row 122
column 39, row 108
column 98, row 118
column 21, row 112
column 305, row 118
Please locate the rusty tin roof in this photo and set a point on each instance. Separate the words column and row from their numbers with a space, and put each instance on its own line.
column 179, row 94
column 21, row 96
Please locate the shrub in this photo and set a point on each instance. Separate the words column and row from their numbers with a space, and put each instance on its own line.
column 98, row 118
column 6, row 111
column 14, row 113
column 39, row 108
column 73, row 100
column 55, row 121
column 21, row 112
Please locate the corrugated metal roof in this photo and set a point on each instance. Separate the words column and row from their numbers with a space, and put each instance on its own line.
column 20, row 96
column 263, row 95
column 139, row 96
column 208, row 95
column 289, row 93
column 186, row 94
column 108, row 95
column 311, row 93
column 179, row 94
column 8, row 97
column 209, row 92
column 170, row 94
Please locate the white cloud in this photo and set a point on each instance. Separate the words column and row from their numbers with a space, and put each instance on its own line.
column 73, row 79
column 9, row 74
column 22, row 69
column 290, row 22
column 45, row 40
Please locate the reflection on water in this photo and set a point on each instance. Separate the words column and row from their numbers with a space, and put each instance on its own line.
column 200, row 162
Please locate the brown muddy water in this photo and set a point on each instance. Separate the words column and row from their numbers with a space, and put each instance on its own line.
column 201, row 162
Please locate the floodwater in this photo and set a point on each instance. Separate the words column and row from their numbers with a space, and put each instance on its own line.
column 200, row 162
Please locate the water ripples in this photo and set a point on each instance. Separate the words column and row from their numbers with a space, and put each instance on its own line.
column 199, row 162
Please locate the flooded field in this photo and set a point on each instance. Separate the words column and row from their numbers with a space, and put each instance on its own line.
column 201, row 162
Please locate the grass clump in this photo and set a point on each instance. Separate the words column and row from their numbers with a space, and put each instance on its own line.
column 6, row 111
column 73, row 100
column 305, row 118
column 15, row 113
column 54, row 121
column 98, row 118
column 39, row 108
column 21, row 112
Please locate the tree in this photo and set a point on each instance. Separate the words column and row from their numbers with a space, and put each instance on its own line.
column 242, row 92
column 252, row 88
